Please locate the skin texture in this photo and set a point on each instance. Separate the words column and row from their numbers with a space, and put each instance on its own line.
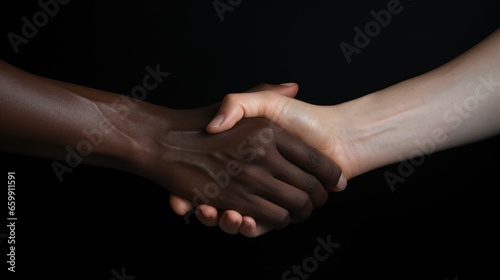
column 452, row 105
column 257, row 168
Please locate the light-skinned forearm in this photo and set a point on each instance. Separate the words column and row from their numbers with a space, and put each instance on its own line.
column 453, row 105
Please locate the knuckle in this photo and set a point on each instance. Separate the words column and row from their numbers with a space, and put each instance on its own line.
column 313, row 160
column 302, row 208
column 231, row 98
column 303, row 203
column 311, row 184
column 250, row 172
column 282, row 219
column 267, row 153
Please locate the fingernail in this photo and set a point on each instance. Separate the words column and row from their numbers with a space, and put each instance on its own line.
column 288, row 84
column 217, row 121
column 342, row 183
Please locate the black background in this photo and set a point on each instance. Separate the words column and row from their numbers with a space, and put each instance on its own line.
column 440, row 223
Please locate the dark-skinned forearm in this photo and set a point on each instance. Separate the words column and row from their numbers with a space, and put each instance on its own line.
column 51, row 119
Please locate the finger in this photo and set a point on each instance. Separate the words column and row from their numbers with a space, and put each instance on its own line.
column 310, row 160
column 234, row 107
column 299, row 183
column 207, row 215
column 266, row 211
column 230, row 221
column 180, row 205
column 250, row 228
column 298, row 203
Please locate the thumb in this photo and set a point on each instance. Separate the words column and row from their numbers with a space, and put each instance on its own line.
column 259, row 101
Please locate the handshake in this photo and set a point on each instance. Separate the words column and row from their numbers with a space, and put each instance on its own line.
column 272, row 168
column 261, row 159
